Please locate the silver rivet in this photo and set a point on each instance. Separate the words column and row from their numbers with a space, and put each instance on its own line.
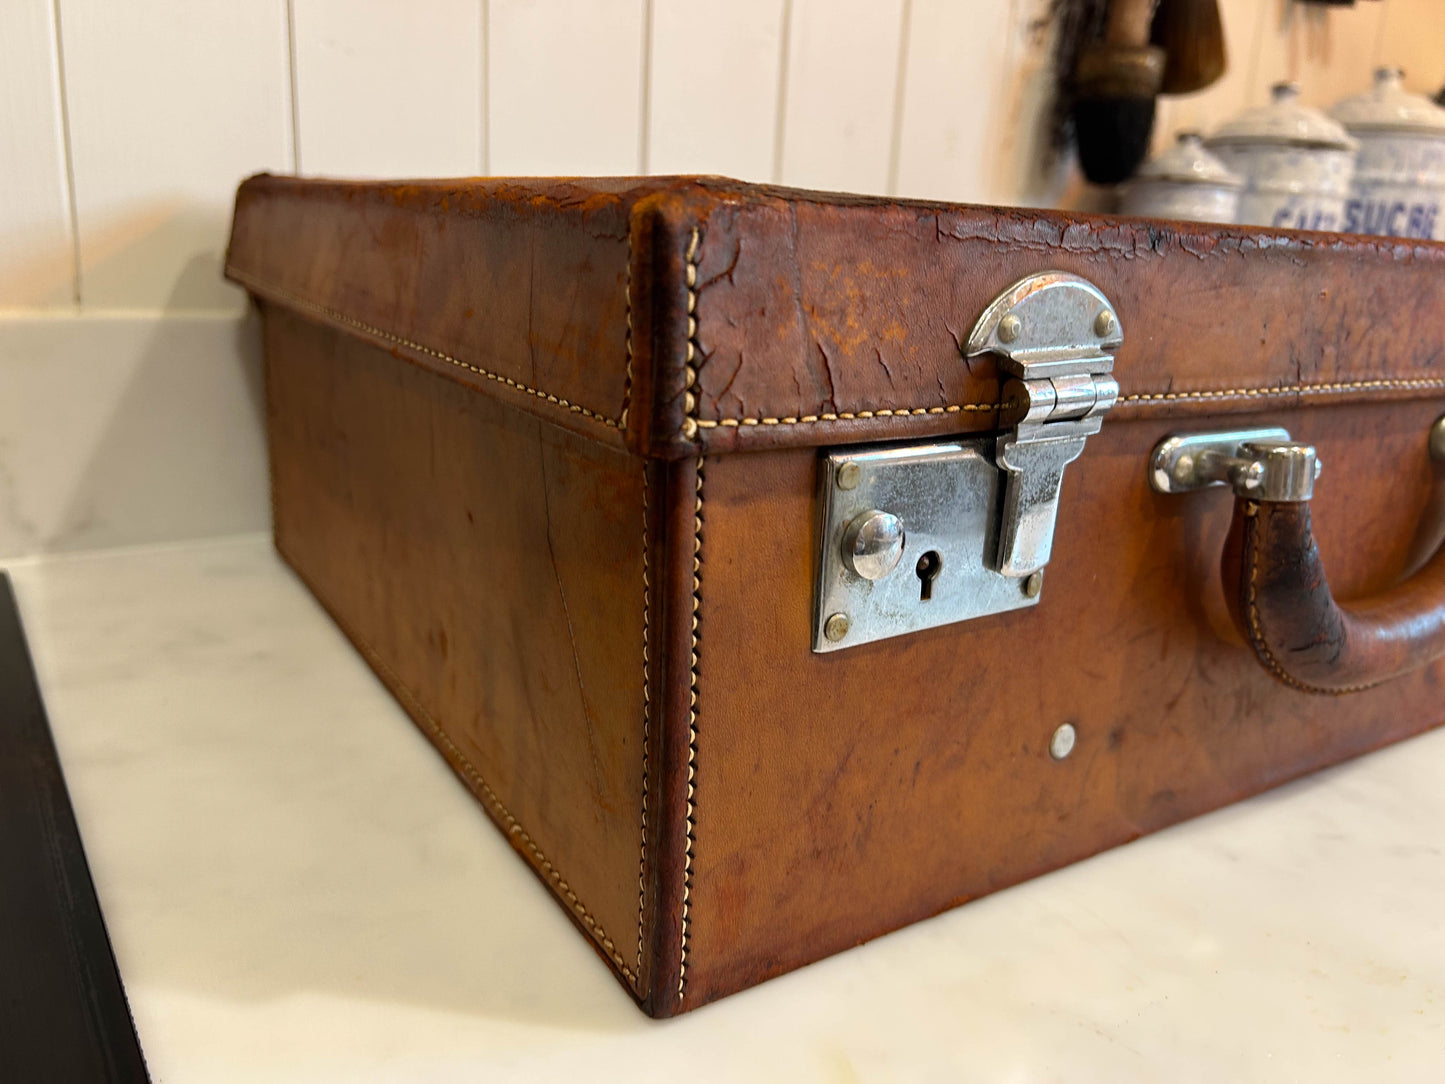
column 1034, row 584
column 873, row 544
column 1437, row 440
column 1062, row 743
column 836, row 627
column 848, row 475
column 1009, row 328
column 1105, row 324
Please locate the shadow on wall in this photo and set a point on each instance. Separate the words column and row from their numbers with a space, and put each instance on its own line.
column 162, row 256
column 38, row 269
column 127, row 428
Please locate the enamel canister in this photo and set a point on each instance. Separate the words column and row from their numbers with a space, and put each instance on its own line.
column 1296, row 163
column 1399, row 180
column 1185, row 182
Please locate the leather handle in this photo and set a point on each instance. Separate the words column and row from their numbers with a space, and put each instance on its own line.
column 1281, row 601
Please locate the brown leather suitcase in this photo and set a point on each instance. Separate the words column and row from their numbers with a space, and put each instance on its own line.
column 779, row 568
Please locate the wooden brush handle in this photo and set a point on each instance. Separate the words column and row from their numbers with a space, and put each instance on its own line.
column 1127, row 22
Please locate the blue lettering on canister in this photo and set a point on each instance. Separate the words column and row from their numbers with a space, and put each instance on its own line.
column 1395, row 219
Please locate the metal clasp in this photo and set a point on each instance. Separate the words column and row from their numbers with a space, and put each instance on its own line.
column 917, row 536
column 1260, row 463
column 1056, row 334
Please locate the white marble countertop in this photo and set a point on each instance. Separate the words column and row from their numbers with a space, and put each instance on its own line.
column 298, row 890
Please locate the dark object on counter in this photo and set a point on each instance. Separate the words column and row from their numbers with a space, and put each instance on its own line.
column 63, row 1013
column 1192, row 37
column 1114, row 87
column 572, row 462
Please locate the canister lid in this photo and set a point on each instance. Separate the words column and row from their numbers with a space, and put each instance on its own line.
column 1187, row 162
column 1389, row 107
column 1284, row 121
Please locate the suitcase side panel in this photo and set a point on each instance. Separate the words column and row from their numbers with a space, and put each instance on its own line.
column 839, row 796
column 490, row 568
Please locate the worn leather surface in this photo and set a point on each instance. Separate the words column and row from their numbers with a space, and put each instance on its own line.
column 476, row 386
column 489, row 567
column 812, row 305
column 843, row 795
column 819, row 317
column 515, row 288
column 1275, row 579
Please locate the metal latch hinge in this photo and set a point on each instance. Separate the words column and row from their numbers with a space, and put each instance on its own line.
column 975, row 517
column 1055, row 334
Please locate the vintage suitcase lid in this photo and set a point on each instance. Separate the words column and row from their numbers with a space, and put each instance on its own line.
column 687, row 315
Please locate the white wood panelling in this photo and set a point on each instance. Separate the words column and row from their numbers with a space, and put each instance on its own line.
column 389, row 90
column 714, row 87
column 1026, row 168
column 1330, row 51
column 564, row 87
column 952, row 111
column 171, row 105
column 118, row 429
column 37, row 252
column 842, row 84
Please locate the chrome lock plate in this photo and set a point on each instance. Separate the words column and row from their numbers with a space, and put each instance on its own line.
column 929, row 534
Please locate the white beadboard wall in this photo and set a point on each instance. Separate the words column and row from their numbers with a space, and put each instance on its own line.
column 129, row 388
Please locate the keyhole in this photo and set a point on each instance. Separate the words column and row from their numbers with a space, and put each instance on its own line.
column 929, row 566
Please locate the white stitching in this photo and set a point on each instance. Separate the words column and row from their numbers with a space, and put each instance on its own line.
column 690, row 422
column 691, row 733
column 1256, row 623
column 382, row 333
column 512, row 825
column 646, row 722
column 1144, row 399
column 690, row 426
column 846, row 416
column 1328, row 388
column 627, row 379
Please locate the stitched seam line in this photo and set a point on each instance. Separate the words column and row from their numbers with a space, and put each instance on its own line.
column 646, row 723
column 627, row 378
column 691, row 734
column 381, row 333
column 1326, row 388
column 847, row 416
column 1142, row 399
column 513, row 827
column 1256, row 623
column 690, row 430
column 690, row 422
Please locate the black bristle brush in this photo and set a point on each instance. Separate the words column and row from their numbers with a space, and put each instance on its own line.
column 1114, row 86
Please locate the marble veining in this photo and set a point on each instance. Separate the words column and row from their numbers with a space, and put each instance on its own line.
column 299, row 890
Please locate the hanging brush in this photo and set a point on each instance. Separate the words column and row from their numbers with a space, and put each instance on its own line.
column 1115, row 83
column 1192, row 37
